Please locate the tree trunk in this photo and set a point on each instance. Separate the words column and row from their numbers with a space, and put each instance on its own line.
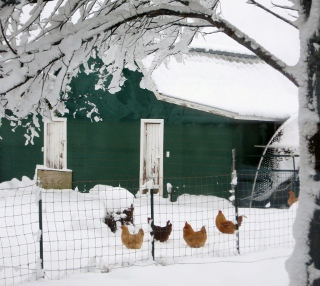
column 313, row 96
column 304, row 264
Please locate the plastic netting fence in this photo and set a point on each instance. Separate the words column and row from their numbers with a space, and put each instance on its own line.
column 81, row 230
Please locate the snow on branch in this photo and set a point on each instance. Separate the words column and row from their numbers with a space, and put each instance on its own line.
column 253, row 46
column 274, row 14
column 44, row 44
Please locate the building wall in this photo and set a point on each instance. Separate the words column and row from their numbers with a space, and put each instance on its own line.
column 108, row 151
column 16, row 158
column 199, row 143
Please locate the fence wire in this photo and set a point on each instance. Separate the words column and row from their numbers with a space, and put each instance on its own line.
column 81, row 227
column 19, row 233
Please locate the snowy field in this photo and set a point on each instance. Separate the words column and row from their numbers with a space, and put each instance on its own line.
column 79, row 246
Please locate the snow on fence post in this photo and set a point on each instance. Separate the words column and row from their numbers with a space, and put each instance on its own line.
column 39, row 184
column 234, row 192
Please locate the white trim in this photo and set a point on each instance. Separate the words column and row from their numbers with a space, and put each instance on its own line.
column 55, row 119
column 161, row 138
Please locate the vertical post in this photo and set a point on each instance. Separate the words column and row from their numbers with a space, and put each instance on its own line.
column 152, row 217
column 152, row 214
column 40, row 222
column 294, row 172
column 234, row 191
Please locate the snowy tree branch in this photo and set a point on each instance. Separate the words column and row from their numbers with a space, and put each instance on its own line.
column 58, row 36
column 5, row 39
column 247, row 42
column 272, row 13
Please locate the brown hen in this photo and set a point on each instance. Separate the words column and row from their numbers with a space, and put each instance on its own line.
column 292, row 198
column 160, row 233
column 132, row 241
column 227, row 226
column 194, row 239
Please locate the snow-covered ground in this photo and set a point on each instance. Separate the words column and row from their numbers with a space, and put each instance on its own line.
column 79, row 248
column 262, row 268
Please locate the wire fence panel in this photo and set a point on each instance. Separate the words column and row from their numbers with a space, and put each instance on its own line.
column 19, row 234
column 82, row 227
column 186, row 205
column 269, row 220
column 76, row 235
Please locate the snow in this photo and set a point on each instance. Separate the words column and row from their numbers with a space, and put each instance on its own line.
column 75, row 236
column 308, row 118
column 263, row 268
column 114, row 199
column 238, row 84
column 57, row 46
column 218, row 41
column 263, row 32
column 248, row 88
column 43, row 167
column 264, row 28
column 244, row 86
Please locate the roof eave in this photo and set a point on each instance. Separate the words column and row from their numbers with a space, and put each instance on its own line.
column 213, row 110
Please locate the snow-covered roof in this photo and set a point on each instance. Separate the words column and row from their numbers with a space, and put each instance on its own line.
column 224, row 78
column 218, row 42
column 218, row 75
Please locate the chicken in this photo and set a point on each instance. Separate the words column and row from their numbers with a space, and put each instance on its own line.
column 132, row 241
column 227, row 226
column 160, row 233
column 292, row 198
column 194, row 239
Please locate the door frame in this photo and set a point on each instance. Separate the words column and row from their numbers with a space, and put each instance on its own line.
column 143, row 123
column 55, row 119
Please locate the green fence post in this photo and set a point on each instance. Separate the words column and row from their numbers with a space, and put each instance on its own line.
column 40, row 221
column 152, row 217
column 234, row 191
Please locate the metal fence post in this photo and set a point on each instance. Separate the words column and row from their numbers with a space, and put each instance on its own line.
column 234, row 190
column 150, row 187
column 294, row 172
column 40, row 221
column 152, row 217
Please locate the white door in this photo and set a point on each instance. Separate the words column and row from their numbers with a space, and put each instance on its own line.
column 151, row 153
column 55, row 144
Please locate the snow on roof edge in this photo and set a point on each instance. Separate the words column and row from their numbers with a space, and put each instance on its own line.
column 213, row 110
column 203, row 107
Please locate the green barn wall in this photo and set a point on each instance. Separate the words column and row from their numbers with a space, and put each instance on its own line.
column 16, row 158
column 108, row 151
column 199, row 143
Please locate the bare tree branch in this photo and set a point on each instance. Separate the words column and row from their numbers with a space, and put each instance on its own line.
column 272, row 13
column 5, row 39
column 284, row 7
column 245, row 41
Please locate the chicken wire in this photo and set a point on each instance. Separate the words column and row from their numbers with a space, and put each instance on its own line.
column 77, row 238
column 278, row 168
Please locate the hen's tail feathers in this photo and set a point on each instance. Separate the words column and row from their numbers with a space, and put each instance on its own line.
column 240, row 218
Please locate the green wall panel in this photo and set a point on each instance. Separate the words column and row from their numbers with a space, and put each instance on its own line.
column 199, row 143
column 108, row 151
column 16, row 158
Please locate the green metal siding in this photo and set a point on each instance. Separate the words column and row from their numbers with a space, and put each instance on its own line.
column 16, row 158
column 199, row 143
column 197, row 150
column 103, row 151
